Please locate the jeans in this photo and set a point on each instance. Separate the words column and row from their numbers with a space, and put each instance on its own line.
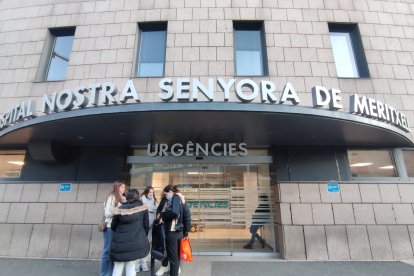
column 129, row 269
column 107, row 265
column 253, row 230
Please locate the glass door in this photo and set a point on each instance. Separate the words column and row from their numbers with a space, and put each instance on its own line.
column 223, row 200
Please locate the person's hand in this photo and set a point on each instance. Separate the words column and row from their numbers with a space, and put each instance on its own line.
column 161, row 220
column 185, row 234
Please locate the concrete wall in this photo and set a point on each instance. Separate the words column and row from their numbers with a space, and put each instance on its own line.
column 36, row 220
column 363, row 221
column 200, row 45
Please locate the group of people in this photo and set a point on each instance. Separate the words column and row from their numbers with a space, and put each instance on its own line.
column 129, row 219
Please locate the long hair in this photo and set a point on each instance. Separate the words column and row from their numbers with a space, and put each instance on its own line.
column 146, row 192
column 115, row 192
column 168, row 188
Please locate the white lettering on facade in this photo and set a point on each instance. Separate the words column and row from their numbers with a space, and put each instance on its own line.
column 186, row 89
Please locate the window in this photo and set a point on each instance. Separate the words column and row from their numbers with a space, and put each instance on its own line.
column 11, row 163
column 348, row 51
column 371, row 163
column 249, row 48
column 58, row 49
column 152, row 49
column 408, row 156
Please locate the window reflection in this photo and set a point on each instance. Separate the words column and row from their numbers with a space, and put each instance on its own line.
column 249, row 49
column 11, row 163
column 152, row 53
column 59, row 59
column 344, row 55
column 371, row 163
column 408, row 156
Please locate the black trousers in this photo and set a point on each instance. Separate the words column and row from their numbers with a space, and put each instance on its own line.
column 172, row 242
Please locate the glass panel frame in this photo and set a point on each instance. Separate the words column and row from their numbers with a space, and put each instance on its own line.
column 344, row 55
column 59, row 58
column 372, row 163
column 221, row 199
column 11, row 164
column 408, row 158
column 250, row 57
column 348, row 50
column 152, row 51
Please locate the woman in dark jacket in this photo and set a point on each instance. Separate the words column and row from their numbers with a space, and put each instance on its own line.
column 169, row 211
column 129, row 240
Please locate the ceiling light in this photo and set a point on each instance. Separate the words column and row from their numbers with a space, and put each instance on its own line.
column 20, row 163
column 361, row 164
column 387, row 167
column 192, row 172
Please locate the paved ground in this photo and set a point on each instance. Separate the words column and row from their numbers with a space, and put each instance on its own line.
column 217, row 266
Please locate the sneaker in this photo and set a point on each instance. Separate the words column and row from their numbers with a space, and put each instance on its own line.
column 162, row 270
column 144, row 267
column 248, row 246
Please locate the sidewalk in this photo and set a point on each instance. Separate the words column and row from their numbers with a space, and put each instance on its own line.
column 218, row 266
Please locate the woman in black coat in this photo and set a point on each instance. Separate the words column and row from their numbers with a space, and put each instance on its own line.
column 169, row 212
column 129, row 239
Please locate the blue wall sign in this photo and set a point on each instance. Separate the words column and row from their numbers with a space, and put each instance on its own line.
column 65, row 187
column 332, row 187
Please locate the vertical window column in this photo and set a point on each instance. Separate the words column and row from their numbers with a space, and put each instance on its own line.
column 250, row 48
column 57, row 51
column 348, row 51
column 151, row 58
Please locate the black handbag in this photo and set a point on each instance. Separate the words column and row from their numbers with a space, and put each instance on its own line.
column 158, row 249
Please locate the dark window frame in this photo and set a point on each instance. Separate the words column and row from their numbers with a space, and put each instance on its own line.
column 148, row 27
column 252, row 25
column 54, row 33
column 357, row 45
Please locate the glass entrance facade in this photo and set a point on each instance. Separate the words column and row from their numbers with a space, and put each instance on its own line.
column 224, row 200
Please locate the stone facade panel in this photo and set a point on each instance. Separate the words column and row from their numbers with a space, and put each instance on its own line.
column 343, row 214
column 350, row 193
column 39, row 241
column 403, row 213
column 289, row 192
column 59, row 241
column 359, row 246
column 17, row 212
column 301, row 214
column 322, row 214
column 19, row 243
column 370, row 193
column 79, row 241
column 337, row 243
column 400, row 242
column 315, row 240
column 384, row 214
column 309, row 193
column 380, row 242
column 327, row 197
column 31, row 192
column 364, row 214
column 294, row 243
column 36, row 213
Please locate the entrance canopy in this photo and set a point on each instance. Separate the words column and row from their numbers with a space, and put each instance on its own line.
column 257, row 125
